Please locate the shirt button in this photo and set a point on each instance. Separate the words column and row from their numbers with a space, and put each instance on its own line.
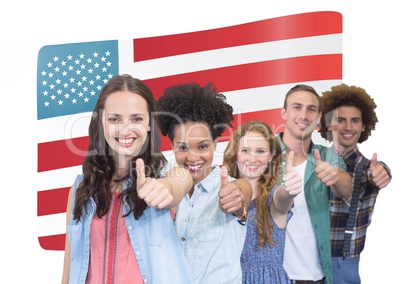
column 145, row 280
column 130, row 227
column 183, row 239
column 198, row 185
column 138, row 253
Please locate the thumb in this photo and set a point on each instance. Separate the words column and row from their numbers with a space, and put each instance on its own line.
column 373, row 162
column 140, row 169
column 317, row 156
column 224, row 176
column 289, row 162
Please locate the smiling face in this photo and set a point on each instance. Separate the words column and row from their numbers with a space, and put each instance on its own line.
column 253, row 155
column 125, row 124
column 301, row 114
column 347, row 127
column 194, row 149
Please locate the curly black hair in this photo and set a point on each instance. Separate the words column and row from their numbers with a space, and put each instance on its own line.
column 192, row 103
column 344, row 95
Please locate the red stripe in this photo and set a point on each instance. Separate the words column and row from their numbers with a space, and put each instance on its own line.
column 260, row 74
column 71, row 152
column 287, row 27
column 62, row 153
column 54, row 242
column 52, row 201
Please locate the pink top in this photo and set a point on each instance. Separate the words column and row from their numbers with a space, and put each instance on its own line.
column 112, row 258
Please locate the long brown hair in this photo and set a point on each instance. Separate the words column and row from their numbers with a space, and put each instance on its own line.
column 267, row 180
column 98, row 167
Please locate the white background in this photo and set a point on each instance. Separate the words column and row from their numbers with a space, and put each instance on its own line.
column 371, row 59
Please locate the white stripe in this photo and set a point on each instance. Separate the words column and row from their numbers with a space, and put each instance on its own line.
column 179, row 64
column 58, row 178
column 54, row 224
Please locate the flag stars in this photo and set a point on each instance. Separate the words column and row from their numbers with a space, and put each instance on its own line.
column 44, row 83
column 74, row 101
column 84, row 79
column 43, row 73
column 46, row 104
column 105, row 81
column 51, row 87
column 83, row 66
column 72, row 79
column 55, row 59
column 91, row 82
column 50, row 64
column 110, row 75
column 77, row 62
column 56, row 69
column 52, row 97
column 78, row 72
column 58, row 81
column 99, row 87
column 81, row 56
column 72, row 90
column 90, row 71
column 97, row 77
column 66, row 96
column 45, row 93
column 59, row 92
column 50, row 75
column 104, row 69
column 64, row 73
column 108, row 64
column 103, row 59
column 80, row 94
column 86, row 99
column 107, row 53
column 85, row 89
column 69, row 57
column 92, row 93
column 60, row 102
column 96, row 65
column 63, row 63
column 79, row 84
column 89, row 60
column 65, row 85
column 70, row 68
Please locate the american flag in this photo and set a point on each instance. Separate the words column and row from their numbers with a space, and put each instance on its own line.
column 254, row 64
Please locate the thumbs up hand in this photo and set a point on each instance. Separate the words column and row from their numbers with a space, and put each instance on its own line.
column 231, row 198
column 378, row 173
column 291, row 180
column 325, row 172
column 151, row 190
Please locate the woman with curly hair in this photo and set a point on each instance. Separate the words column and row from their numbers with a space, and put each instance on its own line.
column 348, row 119
column 255, row 154
column 117, row 228
column 210, row 220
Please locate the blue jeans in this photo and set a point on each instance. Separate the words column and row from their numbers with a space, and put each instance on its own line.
column 346, row 271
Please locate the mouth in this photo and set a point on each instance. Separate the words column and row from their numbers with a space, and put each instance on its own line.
column 253, row 167
column 347, row 136
column 194, row 168
column 125, row 142
column 303, row 125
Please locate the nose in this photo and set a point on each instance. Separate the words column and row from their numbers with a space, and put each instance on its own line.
column 348, row 125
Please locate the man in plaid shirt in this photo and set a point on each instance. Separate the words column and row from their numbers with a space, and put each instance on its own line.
column 348, row 118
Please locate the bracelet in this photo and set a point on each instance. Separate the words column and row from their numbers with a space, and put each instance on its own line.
column 244, row 215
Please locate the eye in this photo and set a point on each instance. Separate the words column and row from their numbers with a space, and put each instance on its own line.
column 113, row 119
column 182, row 148
column 261, row 152
column 245, row 151
column 138, row 119
column 203, row 147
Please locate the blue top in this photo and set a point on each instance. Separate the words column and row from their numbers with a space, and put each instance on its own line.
column 263, row 264
column 212, row 240
column 152, row 236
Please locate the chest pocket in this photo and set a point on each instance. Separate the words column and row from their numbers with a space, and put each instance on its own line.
column 155, row 225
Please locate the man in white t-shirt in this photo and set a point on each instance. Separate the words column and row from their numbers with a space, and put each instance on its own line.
column 308, row 249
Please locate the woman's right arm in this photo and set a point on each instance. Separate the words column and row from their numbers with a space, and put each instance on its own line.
column 67, row 250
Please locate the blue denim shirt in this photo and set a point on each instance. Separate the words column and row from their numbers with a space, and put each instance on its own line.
column 212, row 240
column 153, row 237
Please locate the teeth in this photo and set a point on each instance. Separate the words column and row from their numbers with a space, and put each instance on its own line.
column 125, row 141
column 194, row 168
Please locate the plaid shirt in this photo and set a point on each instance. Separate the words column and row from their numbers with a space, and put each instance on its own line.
column 339, row 208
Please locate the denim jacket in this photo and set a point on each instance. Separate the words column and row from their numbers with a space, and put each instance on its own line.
column 153, row 237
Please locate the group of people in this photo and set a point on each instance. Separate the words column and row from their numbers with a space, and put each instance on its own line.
column 278, row 209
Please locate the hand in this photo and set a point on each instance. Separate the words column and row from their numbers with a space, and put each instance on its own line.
column 378, row 175
column 324, row 171
column 292, row 181
column 151, row 190
column 231, row 198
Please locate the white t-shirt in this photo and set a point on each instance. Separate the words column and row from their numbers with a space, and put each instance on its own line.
column 301, row 260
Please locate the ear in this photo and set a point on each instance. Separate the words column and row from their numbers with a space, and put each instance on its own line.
column 149, row 128
column 283, row 113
